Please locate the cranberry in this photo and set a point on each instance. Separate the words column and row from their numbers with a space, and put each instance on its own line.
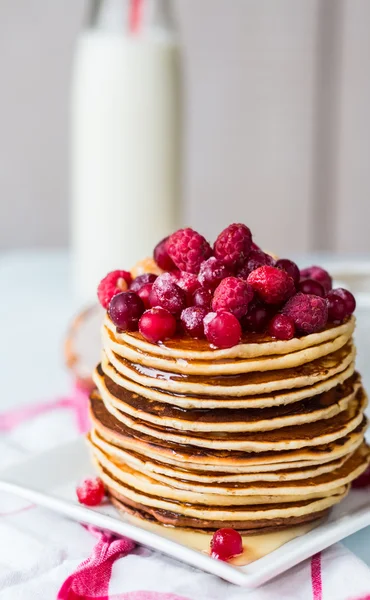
column 187, row 282
column 91, row 491
column 144, row 293
column 157, row 324
column 256, row 258
column 192, row 321
column 289, row 267
column 348, row 298
column 168, row 294
column 282, row 327
column 319, row 275
column 203, row 297
column 212, row 272
column 141, row 280
column 222, row 329
column 256, row 319
column 363, row 480
column 125, row 310
column 161, row 256
column 310, row 286
column 337, row 310
column 226, row 543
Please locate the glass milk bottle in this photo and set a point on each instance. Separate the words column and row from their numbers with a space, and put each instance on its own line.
column 125, row 138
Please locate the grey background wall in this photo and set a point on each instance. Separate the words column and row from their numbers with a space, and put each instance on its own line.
column 277, row 110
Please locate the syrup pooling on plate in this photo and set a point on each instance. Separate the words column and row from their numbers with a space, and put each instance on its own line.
column 227, row 395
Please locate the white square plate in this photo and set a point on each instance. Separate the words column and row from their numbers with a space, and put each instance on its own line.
column 50, row 479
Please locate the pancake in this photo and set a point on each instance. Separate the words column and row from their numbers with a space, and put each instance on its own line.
column 252, row 345
column 157, row 470
column 223, row 366
column 276, row 398
column 287, row 438
column 237, row 385
column 191, row 457
column 322, row 406
column 231, row 494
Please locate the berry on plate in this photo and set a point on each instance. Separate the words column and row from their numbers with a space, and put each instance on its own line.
column 226, row 543
column 91, row 491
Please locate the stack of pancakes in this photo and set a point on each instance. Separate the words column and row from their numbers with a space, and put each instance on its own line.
column 257, row 437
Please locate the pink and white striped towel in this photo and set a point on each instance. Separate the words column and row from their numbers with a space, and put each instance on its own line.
column 44, row 556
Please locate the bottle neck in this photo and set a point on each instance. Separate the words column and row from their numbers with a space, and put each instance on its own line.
column 116, row 16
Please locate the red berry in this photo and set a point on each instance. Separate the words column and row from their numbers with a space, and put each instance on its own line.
column 125, row 310
column 144, row 293
column 157, row 324
column 336, row 308
column 112, row 284
column 187, row 282
column 363, row 480
column 222, row 329
column 192, row 321
column 289, row 267
column 161, row 257
column 141, row 280
column 233, row 295
column 282, row 327
column 188, row 249
column 309, row 313
column 168, row 294
column 203, row 297
column 256, row 259
column 348, row 298
column 310, row 286
column 318, row 274
column 233, row 245
column 256, row 319
column 91, row 491
column 226, row 543
column 272, row 285
column 212, row 272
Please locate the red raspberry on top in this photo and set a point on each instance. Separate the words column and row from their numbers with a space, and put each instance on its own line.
column 318, row 274
column 272, row 285
column 188, row 249
column 233, row 245
column 233, row 295
column 308, row 312
column 112, row 284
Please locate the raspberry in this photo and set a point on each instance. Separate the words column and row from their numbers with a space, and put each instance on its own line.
column 310, row 286
column 141, row 280
column 289, row 267
column 203, row 297
column 308, row 312
column 348, row 298
column 168, row 294
column 318, row 274
column 144, row 293
column 363, row 480
column 282, row 327
column 272, row 285
column 212, row 272
column 226, row 543
column 188, row 249
column 192, row 321
column 112, row 284
column 161, row 257
column 256, row 259
column 125, row 310
column 157, row 324
column 222, row 329
column 233, row 295
column 91, row 491
column 337, row 311
column 256, row 319
column 233, row 245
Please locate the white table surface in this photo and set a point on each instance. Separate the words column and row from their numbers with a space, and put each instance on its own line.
column 37, row 303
